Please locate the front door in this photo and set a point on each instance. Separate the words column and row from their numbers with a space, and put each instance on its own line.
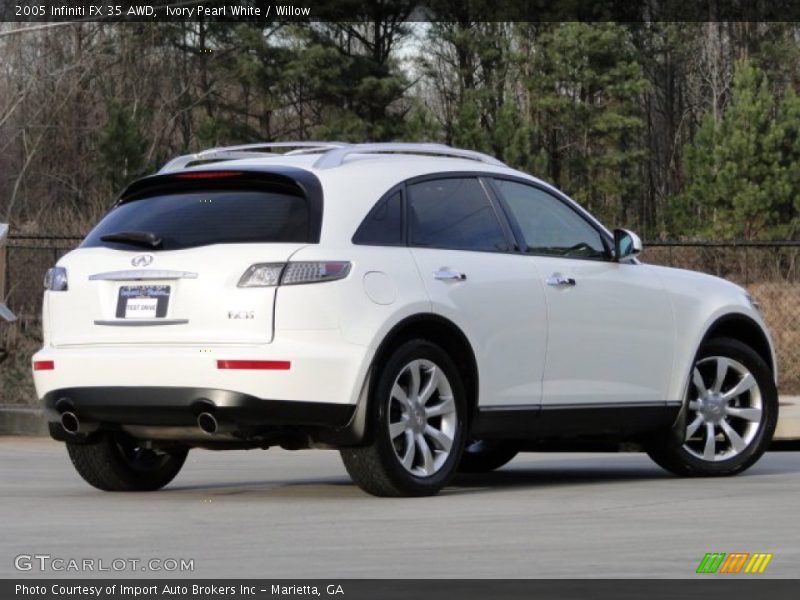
column 610, row 325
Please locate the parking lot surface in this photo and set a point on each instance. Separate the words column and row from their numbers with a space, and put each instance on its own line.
column 296, row 514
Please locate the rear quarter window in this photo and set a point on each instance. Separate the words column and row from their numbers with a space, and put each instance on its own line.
column 384, row 224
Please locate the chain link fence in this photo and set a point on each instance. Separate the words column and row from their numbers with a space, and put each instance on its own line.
column 769, row 270
column 27, row 259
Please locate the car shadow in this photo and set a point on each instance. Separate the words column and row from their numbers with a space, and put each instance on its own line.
column 557, row 475
column 541, row 474
column 583, row 472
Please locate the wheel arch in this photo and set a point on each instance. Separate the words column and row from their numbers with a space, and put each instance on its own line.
column 442, row 332
column 434, row 328
column 745, row 329
column 737, row 326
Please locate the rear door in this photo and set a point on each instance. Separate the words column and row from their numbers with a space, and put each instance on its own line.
column 165, row 266
column 610, row 325
column 464, row 255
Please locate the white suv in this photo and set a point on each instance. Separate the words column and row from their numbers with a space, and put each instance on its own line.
column 420, row 308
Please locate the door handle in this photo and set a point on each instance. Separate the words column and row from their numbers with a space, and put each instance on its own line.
column 448, row 275
column 557, row 279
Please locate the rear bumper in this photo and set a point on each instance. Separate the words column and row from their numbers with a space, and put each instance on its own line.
column 171, row 414
column 322, row 368
column 180, row 407
column 158, row 392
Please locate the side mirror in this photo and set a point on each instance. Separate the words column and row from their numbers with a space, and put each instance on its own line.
column 626, row 244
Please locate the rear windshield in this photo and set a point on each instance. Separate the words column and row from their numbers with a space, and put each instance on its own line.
column 197, row 218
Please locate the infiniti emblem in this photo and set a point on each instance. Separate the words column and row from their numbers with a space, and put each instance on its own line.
column 142, row 260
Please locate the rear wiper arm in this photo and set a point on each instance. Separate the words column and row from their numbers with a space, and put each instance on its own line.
column 136, row 238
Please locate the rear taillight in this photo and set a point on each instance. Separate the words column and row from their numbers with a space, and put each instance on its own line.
column 262, row 275
column 44, row 365
column 313, row 272
column 55, row 279
column 293, row 273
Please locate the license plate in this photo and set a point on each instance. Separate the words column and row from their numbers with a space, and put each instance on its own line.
column 143, row 301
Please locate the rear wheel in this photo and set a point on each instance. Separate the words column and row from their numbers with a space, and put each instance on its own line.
column 418, row 420
column 731, row 413
column 482, row 456
column 119, row 463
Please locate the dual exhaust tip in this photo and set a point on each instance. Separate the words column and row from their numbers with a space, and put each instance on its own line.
column 206, row 421
column 72, row 424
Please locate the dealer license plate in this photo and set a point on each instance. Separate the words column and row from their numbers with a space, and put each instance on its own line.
column 143, row 301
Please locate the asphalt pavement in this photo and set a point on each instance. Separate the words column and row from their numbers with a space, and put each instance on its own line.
column 278, row 514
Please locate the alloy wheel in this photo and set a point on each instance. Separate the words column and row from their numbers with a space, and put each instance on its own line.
column 422, row 418
column 725, row 409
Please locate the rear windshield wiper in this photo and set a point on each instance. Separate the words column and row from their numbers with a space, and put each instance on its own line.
column 136, row 238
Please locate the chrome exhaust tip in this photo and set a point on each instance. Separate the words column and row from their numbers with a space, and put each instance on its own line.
column 72, row 424
column 208, row 423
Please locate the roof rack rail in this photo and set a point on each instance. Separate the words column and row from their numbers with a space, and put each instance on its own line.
column 335, row 156
column 247, row 151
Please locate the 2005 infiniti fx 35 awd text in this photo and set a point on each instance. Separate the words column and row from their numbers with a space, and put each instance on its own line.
column 420, row 308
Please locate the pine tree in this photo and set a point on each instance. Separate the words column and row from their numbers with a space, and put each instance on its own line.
column 514, row 136
column 121, row 147
column 469, row 131
column 786, row 187
column 742, row 174
column 585, row 85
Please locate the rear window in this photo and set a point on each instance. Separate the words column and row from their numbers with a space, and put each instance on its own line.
column 201, row 218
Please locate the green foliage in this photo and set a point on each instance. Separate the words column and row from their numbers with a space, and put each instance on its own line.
column 786, row 186
column 514, row 136
column 643, row 123
column 585, row 87
column 420, row 125
column 559, row 100
column 321, row 81
column 469, row 131
column 121, row 147
column 741, row 171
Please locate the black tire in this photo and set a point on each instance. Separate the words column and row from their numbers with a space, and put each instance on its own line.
column 376, row 467
column 118, row 463
column 676, row 458
column 482, row 456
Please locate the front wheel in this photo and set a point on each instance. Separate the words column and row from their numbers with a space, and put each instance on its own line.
column 731, row 413
column 119, row 463
column 418, row 421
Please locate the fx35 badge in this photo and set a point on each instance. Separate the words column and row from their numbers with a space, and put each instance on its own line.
column 241, row 314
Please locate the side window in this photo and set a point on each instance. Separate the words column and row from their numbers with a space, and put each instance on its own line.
column 548, row 226
column 384, row 224
column 453, row 213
